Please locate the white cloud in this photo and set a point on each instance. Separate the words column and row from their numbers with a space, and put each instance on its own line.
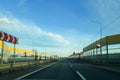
column 30, row 29
column 110, row 7
column 7, row 21
column 106, row 8
column 57, row 37
column 22, row 2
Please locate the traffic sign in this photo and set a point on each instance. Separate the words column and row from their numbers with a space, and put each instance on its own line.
column 9, row 38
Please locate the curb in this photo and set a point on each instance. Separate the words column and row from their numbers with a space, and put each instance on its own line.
column 110, row 69
column 107, row 68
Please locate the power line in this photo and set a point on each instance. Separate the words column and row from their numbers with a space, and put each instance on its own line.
column 106, row 26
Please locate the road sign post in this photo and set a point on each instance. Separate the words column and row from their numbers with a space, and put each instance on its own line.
column 14, row 54
column 2, row 51
column 8, row 38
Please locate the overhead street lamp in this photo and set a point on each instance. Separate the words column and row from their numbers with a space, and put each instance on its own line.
column 99, row 45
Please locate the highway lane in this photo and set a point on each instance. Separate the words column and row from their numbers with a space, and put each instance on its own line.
column 92, row 72
column 70, row 70
column 58, row 71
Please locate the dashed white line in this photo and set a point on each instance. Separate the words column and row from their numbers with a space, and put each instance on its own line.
column 71, row 65
column 83, row 78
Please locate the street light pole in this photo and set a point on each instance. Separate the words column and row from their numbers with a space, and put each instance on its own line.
column 100, row 37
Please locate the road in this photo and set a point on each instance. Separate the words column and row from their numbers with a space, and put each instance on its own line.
column 69, row 70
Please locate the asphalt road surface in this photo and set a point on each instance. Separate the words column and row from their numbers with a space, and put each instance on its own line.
column 69, row 70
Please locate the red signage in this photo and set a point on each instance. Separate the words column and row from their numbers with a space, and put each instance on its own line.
column 9, row 38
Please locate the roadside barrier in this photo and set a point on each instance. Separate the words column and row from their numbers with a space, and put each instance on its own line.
column 11, row 67
column 0, row 72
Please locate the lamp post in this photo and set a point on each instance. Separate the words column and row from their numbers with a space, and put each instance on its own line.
column 99, row 45
column 82, row 46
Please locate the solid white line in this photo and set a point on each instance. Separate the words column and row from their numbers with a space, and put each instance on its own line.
column 33, row 72
column 83, row 78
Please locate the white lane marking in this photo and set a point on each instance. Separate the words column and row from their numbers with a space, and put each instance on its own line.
column 71, row 65
column 33, row 72
column 83, row 78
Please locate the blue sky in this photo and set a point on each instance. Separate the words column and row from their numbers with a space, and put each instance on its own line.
column 59, row 27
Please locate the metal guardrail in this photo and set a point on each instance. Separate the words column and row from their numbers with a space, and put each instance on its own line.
column 11, row 67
